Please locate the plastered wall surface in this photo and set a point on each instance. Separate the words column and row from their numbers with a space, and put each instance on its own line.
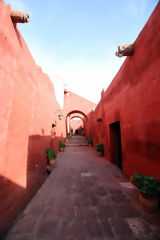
column 133, row 99
column 28, row 108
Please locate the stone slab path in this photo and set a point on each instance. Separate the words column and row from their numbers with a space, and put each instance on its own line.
column 85, row 198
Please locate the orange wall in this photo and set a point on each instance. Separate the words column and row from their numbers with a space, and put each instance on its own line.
column 133, row 98
column 28, row 108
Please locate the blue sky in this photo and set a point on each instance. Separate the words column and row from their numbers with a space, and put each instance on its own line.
column 76, row 40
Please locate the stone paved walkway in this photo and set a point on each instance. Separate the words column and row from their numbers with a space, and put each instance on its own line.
column 85, row 198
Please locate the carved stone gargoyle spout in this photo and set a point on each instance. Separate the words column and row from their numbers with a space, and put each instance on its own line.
column 125, row 50
column 19, row 17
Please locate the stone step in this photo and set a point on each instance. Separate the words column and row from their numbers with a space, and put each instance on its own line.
column 77, row 141
column 74, row 136
column 76, row 144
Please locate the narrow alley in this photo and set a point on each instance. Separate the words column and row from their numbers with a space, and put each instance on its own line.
column 85, row 198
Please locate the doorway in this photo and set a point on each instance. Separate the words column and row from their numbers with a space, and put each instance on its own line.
column 115, row 140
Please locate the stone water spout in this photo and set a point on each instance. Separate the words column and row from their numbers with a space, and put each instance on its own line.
column 125, row 50
column 19, row 16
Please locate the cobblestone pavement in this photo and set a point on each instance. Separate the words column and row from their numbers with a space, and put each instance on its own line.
column 85, row 198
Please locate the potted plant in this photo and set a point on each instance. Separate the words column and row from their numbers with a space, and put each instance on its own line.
column 149, row 191
column 90, row 141
column 67, row 139
column 68, row 135
column 51, row 156
column 100, row 149
column 61, row 146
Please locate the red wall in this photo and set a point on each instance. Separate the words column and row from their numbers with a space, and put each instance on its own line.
column 28, row 108
column 75, row 104
column 133, row 98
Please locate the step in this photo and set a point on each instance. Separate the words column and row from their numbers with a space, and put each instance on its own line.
column 76, row 144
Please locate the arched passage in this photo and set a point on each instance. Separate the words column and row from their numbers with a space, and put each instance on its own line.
column 76, row 125
column 77, row 117
column 76, row 114
column 77, row 111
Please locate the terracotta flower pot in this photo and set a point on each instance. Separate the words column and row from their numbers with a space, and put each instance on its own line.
column 52, row 162
column 99, row 154
column 61, row 149
column 149, row 203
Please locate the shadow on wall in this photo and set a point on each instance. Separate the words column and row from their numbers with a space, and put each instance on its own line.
column 18, row 35
column 14, row 197
column 37, row 158
column 8, row 206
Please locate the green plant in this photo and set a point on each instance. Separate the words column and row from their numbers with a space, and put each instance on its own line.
column 50, row 154
column 69, row 134
column 61, row 144
column 149, row 186
column 90, row 141
column 100, row 148
column 71, row 130
column 82, row 129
